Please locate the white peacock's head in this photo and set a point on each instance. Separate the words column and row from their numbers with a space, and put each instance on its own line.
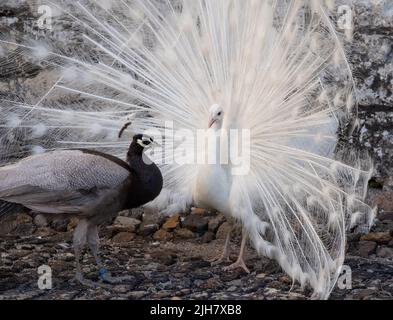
column 216, row 116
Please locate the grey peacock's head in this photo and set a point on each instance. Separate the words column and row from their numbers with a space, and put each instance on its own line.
column 216, row 116
column 144, row 142
column 139, row 141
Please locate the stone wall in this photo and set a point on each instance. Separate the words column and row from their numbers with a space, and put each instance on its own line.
column 372, row 60
column 371, row 55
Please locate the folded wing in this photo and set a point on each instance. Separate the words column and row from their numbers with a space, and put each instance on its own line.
column 68, row 181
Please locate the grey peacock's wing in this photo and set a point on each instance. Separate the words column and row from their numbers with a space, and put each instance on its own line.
column 69, row 181
column 10, row 208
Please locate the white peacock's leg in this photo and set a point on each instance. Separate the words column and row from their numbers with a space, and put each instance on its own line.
column 240, row 260
column 94, row 241
column 224, row 256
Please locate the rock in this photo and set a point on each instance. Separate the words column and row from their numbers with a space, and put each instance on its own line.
column 208, row 237
column 286, row 280
column 201, row 296
column 183, row 292
column 172, row 222
column 385, row 252
column 196, row 223
column 223, row 230
column 123, row 237
column 386, row 216
column 278, row 285
column 60, row 266
column 60, row 224
column 362, row 294
column 378, row 237
column 19, row 253
column 137, row 294
column 68, row 257
column 198, row 211
column 8, row 223
column 184, row 234
column 40, row 221
column 388, row 185
column 354, row 237
column 372, row 62
column 147, row 229
column 382, row 226
column 130, row 223
column 232, row 289
column 211, row 283
column 120, row 289
column 133, row 213
column 24, row 225
column 151, row 216
column 44, row 232
column 216, row 222
column 167, row 257
column 152, row 220
column 72, row 224
column 162, row 235
column 162, row 294
column 384, row 202
column 24, row 218
column 236, row 283
column 365, row 248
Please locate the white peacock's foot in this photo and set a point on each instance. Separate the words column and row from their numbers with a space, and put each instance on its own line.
column 238, row 264
column 222, row 258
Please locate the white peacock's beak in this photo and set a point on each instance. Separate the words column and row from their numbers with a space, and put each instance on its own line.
column 156, row 144
column 211, row 122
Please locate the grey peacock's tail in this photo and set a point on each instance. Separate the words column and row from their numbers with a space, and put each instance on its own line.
column 276, row 67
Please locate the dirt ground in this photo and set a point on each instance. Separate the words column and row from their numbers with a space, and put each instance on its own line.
column 173, row 269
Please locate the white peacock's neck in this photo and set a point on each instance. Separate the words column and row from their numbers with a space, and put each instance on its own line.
column 213, row 181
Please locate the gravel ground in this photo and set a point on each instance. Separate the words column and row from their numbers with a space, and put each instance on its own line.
column 170, row 269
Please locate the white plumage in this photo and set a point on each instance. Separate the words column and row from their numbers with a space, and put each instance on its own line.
column 274, row 67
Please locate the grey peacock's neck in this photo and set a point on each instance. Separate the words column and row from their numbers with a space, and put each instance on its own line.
column 146, row 180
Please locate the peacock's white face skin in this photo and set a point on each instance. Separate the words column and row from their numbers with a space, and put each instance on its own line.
column 215, row 117
column 146, row 142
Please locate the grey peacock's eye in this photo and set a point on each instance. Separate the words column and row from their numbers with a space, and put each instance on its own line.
column 219, row 113
column 147, row 142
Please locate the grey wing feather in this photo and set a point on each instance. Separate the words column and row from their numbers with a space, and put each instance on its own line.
column 39, row 199
column 63, row 170
column 9, row 208
column 61, row 181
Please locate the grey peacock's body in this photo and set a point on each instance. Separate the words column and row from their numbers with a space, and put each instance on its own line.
column 90, row 185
